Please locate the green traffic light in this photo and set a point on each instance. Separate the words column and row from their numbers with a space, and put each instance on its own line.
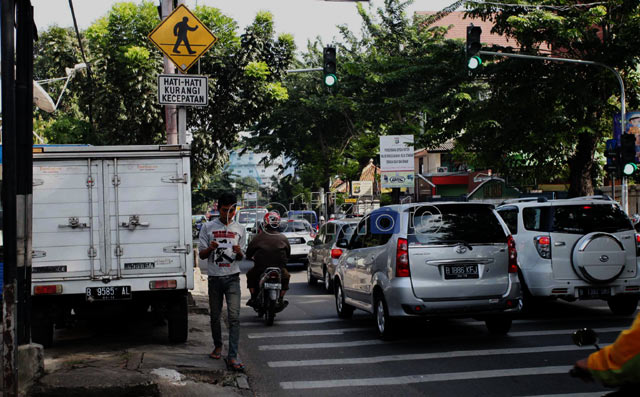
column 629, row 169
column 330, row 80
column 474, row 62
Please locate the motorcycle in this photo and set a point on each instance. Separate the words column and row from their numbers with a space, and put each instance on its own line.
column 587, row 336
column 270, row 286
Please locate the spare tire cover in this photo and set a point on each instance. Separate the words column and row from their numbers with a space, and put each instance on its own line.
column 598, row 257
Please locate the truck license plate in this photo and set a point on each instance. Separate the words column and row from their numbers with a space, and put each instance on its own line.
column 112, row 293
column 460, row 271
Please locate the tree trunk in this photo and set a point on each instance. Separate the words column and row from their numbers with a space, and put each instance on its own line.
column 581, row 166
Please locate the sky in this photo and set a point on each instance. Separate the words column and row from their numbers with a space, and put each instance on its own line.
column 305, row 19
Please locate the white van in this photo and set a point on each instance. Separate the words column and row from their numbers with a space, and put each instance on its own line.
column 111, row 230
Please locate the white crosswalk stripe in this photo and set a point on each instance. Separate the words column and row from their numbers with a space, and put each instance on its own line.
column 422, row 356
column 287, row 334
column 330, row 345
column 403, row 380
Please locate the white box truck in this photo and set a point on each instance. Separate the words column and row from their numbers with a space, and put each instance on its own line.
column 111, row 231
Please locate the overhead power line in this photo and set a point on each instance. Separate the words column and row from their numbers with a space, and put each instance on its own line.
column 538, row 6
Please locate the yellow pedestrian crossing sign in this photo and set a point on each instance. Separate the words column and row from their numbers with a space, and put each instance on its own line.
column 182, row 37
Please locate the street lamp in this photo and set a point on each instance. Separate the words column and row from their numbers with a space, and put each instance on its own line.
column 40, row 97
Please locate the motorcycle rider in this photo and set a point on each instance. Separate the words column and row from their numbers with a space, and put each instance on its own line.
column 619, row 363
column 269, row 248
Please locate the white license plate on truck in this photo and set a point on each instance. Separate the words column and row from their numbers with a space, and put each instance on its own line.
column 120, row 292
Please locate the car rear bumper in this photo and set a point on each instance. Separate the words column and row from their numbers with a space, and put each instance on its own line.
column 542, row 284
column 402, row 302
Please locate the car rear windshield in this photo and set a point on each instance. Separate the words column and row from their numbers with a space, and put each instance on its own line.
column 582, row 219
column 308, row 216
column 294, row 227
column 450, row 224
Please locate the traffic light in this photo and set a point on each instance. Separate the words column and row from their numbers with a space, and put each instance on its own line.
column 473, row 46
column 612, row 153
column 628, row 154
column 329, row 68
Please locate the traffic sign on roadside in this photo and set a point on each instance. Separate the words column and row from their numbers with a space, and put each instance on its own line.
column 182, row 38
column 351, row 200
column 175, row 89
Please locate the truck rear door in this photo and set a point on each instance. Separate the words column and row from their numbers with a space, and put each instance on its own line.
column 145, row 209
column 67, row 216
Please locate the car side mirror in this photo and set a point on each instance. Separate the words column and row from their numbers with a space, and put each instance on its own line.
column 585, row 336
column 342, row 243
column 311, row 243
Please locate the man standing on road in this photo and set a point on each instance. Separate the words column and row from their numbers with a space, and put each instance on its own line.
column 220, row 242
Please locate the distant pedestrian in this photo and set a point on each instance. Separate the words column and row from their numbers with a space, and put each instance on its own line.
column 220, row 242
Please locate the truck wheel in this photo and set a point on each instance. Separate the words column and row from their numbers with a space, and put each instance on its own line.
column 498, row 325
column 178, row 320
column 623, row 305
column 41, row 327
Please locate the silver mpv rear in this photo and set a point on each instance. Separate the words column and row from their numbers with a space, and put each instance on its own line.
column 428, row 260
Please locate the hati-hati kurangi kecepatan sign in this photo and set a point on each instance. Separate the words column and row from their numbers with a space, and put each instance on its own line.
column 184, row 90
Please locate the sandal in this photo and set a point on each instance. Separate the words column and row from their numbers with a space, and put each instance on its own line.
column 216, row 355
column 235, row 365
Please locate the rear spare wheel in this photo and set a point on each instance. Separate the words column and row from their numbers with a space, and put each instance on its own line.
column 598, row 258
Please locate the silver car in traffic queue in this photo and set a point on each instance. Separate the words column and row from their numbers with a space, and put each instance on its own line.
column 324, row 254
column 430, row 260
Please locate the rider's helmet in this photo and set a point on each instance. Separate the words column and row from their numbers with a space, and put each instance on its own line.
column 272, row 219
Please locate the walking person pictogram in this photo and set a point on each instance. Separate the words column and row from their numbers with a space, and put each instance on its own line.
column 181, row 29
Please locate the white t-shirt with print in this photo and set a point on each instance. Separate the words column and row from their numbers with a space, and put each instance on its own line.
column 222, row 261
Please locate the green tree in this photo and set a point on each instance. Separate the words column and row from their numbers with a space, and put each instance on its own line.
column 553, row 115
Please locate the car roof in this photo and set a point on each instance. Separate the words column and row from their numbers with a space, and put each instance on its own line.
column 346, row 221
column 542, row 201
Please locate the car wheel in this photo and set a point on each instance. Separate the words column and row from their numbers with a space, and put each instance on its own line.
column 623, row 305
column 344, row 310
column 384, row 323
column 498, row 325
column 327, row 280
column 311, row 279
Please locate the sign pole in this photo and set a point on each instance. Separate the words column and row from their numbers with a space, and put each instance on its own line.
column 182, row 125
column 169, row 110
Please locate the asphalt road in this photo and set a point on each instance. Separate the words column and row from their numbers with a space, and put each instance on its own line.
column 309, row 351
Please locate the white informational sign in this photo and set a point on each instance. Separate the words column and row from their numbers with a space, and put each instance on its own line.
column 361, row 188
column 175, row 89
column 392, row 179
column 396, row 161
column 396, row 153
column 250, row 195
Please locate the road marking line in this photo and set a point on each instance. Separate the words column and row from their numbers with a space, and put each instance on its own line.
column 329, row 345
column 561, row 331
column 595, row 394
column 311, row 301
column 403, row 380
column 421, row 356
column 295, row 322
column 306, row 333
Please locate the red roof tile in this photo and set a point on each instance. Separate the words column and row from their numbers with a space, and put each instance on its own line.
column 459, row 28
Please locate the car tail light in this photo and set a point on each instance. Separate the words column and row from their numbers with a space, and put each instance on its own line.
column 163, row 284
column 402, row 259
column 637, row 244
column 336, row 253
column 543, row 246
column 513, row 255
column 47, row 289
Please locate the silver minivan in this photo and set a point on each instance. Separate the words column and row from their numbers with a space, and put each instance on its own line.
column 430, row 260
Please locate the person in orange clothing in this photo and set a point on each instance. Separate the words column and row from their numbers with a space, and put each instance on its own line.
column 619, row 363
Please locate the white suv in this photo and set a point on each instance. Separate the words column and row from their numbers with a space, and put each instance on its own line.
column 581, row 248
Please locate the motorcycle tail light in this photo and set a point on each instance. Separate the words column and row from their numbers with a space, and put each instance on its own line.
column 336, row 253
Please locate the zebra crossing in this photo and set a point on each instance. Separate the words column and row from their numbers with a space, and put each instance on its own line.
column 329, row 356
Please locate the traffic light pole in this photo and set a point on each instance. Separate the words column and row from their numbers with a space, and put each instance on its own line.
column 623, row 116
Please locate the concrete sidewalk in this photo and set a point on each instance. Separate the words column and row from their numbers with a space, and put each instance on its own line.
column 153, row 369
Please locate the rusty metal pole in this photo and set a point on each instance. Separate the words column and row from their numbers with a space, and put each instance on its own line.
column 9, row 292
column 170, row 111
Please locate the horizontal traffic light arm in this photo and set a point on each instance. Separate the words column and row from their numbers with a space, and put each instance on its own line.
column 568, row 60
column 304, row 70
